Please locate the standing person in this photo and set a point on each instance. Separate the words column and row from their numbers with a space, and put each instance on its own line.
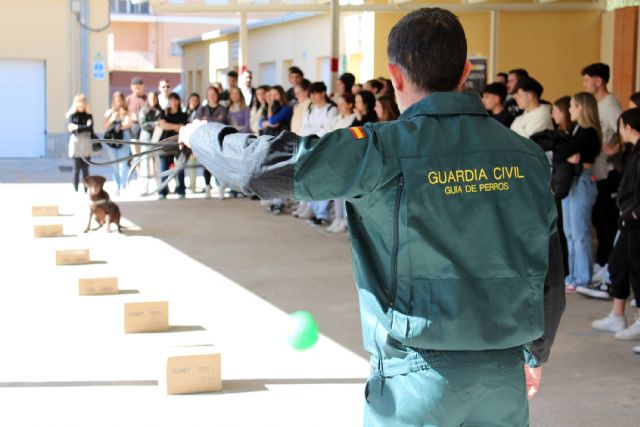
column 365, row 108
column 116, row 122
column 212, row 112
column 301, row 106
column 595, row 78
column 248, row 91
column 345, row 118
column 164, row 88
column 623, row 263
column 501, row 78
column 148, row 118
column 634, row 100
column 193, row 105
column 386, row 109
column 317, row 121
column 585, row 146
column 277, row 116
column 344, row 84
column 172, row 119
column 536, row 116
column 374, row 86
column 232, row 83
column 441, row 320
column 258, row 108
column 513, row 78
column 80, row 124
column 494, row 96
column 135, row 101
column 238, row 114
column 356, row 89
column 295, row 76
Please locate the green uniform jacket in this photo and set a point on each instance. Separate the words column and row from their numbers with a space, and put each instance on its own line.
column 450, row 216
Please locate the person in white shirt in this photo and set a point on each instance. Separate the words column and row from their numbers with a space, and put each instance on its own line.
column 317, row 121
column 536, row 116
column 301, row 106
column 164, row 89
column 595, row 78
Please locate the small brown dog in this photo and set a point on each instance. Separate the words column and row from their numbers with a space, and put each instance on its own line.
column 105, row 211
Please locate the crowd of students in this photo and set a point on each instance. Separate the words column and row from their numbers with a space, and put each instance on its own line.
column 589, row 140
column 592, row 148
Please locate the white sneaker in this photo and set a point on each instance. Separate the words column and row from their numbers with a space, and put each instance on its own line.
column 632, row 333
column 341, row 227
column 207, row 192
column 599, row 273
column 611, row 323
column 333, row 225
column 298, row 210
column 307, row 212
column 636, row 349
column 633, row 302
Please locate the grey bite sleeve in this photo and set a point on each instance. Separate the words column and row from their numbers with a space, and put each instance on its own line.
column 253, row 165
column 554, row 305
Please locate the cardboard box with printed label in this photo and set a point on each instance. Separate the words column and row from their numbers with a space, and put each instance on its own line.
column 146, row 317
column 51, row 210
column 194, row 369
column 98, row 286
column 54, row 230
column 73, row 257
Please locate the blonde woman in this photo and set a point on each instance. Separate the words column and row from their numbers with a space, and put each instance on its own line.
column 80, row 124
column 585, row 145
column 116, row 122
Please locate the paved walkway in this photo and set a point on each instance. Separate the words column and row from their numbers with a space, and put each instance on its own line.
column 231, row 273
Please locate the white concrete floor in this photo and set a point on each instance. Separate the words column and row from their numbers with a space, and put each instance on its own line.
column 230, row 274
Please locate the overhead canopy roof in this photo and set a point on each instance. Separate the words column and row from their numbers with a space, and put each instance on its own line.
column 209, row 6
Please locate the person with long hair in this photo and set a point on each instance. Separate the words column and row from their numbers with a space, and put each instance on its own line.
column 585, row 145
column 193, row 105
column 386, row 109
column 213, row 111
column 365, row 108
column 116, row 122
column 173, row 118
column 239, row 115
column 258, row 107
column 278, row 113
column 623, row 262
column 80, row 124
column 148, row 118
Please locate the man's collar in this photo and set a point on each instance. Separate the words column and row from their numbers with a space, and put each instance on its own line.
column 446, row 104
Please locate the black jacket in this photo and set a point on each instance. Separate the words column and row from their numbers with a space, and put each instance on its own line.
column 81, row 120
column 629, row 192
column 562, row 173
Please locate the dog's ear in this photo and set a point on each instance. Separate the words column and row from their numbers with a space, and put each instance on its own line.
column 101, row 180
column 87, row 179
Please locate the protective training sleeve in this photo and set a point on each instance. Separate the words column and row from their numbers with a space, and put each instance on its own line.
column 537, row 352
column 341, row 164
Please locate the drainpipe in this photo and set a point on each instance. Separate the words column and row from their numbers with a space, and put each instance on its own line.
column 84, row 50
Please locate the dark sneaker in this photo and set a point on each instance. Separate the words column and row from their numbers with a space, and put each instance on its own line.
column 598, row 290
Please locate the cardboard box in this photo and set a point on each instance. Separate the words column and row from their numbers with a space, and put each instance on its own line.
column 146, row 317
column 98, row 286
column 54, row 230
column 44, row 210
column 72, row 257
column 194, row 369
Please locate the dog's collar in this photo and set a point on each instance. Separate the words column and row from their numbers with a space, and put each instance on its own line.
column 100, row 202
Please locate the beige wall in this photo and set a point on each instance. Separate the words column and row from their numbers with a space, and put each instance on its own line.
column 39, row 31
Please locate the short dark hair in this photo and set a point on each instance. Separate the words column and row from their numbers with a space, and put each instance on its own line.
column 497, row 89
column 531, row 85
column 635, row 98
column 520, row 73
column 304, row 84
column 376, row 84
column 430, row 46
column 296, row 70
column 597, row 70
column 173, row 95
column 348, row 80
column 503, row 75
column 349, row 98
column 318, row 87
column 233, row 73
column 136, row 81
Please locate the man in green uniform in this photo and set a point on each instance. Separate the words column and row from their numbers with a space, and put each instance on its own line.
column 452, row 222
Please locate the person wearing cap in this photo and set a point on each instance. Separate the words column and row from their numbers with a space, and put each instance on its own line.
column 453, row 229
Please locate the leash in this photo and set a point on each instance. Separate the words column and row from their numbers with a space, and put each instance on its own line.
column 168, row 146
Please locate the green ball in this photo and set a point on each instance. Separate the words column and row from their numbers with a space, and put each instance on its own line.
column 303, row 332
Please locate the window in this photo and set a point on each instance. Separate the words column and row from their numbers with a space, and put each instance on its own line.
column 126, row 7
column 175, row 49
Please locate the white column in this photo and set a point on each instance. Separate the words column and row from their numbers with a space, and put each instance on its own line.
column 335, row 43
column 243, row 36
column 493, row 47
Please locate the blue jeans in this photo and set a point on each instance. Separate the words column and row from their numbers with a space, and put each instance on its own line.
column 320, row 209
column 120, row 170
column 576, row 219
column 165, row 164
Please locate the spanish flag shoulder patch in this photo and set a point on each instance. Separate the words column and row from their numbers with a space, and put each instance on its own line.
column 357, row 132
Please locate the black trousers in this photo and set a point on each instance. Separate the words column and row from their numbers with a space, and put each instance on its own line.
column 605, row 218
column 79, row 165
column 207, row 177
column 563, row 238
column 624, row 265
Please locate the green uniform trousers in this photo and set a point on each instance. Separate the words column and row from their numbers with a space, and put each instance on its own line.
column 428, row 388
